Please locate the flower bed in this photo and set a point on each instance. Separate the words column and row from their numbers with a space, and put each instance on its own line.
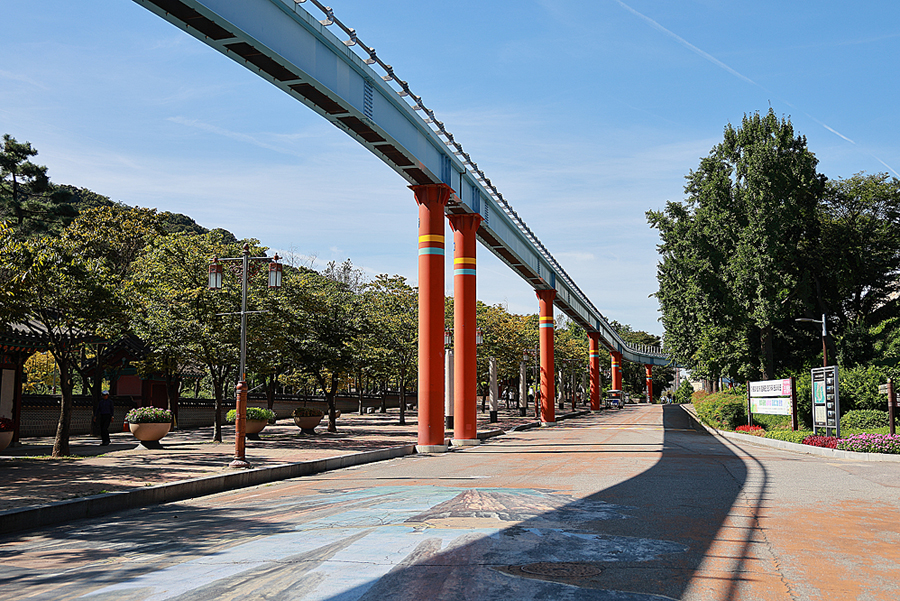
column 871, row 443
column 828, row 442
column 751, row 430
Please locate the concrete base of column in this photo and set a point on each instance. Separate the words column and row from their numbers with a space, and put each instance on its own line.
column 596, row 411
column 547, row 424
column 465, row 442
column 431, row 448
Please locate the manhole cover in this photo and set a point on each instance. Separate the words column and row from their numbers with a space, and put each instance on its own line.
column 560, row 570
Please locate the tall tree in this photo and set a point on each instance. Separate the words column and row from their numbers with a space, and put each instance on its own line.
column 392, row 308
column 751, row 226
column 859, row 261
column 27, row 197
column 52, row 287
column 181, row 319
column 324, row 315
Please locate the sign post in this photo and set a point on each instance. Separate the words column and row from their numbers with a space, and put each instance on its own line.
column 773, row 397
column 826, row 400
column 888, row 389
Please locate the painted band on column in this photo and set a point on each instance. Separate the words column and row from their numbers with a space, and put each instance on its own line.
column 464, row 266
column 431, row 245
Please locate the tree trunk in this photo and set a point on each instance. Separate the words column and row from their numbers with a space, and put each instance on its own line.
column 767, row 353
column 218, row 393
column 270, row 390
column 173, row 387
column 61, row 443
column 329, row 397
column 359, row 390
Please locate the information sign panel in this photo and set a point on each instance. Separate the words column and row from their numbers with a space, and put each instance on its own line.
column 826, row 400
column 771, row 397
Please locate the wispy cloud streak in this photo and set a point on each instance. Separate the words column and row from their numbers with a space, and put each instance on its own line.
column 687, row 44
column 734, row 72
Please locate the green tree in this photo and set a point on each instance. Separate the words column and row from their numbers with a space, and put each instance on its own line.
column 52, row 287
column 859, row 262
column 741, row 246
column 181, row 319
column 505, row 338
column 324, row 315
column 27, row 197
column 392, row 307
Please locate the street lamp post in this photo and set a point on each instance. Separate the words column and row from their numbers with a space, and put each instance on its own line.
column 216, row 272
column 824, row 322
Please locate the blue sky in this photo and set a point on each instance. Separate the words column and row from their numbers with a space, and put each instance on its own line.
column 585, row 114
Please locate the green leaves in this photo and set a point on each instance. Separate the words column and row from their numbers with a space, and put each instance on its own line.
column 735, row 253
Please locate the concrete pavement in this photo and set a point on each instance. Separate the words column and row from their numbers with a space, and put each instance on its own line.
column 37, row 490
column 624, row 505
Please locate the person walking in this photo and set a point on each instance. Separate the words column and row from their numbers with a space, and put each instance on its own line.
column 104, row 415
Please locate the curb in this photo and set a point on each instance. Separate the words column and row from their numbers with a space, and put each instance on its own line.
column 51, row 514
column 793, row 447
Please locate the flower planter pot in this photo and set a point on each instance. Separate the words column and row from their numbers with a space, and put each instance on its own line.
column 308, row 424
column 150, row 434
column 5, row 439
column 255, row 426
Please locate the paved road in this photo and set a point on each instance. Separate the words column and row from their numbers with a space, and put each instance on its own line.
column 622, row 506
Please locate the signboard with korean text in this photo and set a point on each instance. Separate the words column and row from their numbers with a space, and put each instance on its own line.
column 826, row 400
column 771, row 397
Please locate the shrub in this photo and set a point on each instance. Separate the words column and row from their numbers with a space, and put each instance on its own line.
column 859, row 387
column 307, row 412
column 871, row 443
column 722, row 410
column 829, row 442
column 751, row 430
column 788, row 435
column 148, row 415
column 253, row 413
column 772, row 422
column 864, row 419
column 698, row 396
column 684, row 392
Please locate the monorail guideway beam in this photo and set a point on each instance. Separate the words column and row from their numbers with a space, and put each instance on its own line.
column 286, row 45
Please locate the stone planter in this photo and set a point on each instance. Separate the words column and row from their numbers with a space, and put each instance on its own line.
column 150, row 434
column 255, row 426
column 5, row 439
column 308, row 424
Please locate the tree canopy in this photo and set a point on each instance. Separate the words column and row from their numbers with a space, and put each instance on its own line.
column 763, row 238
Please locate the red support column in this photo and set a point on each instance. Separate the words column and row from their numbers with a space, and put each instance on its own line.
column 649, row 369
column 548, row 371
column 432, row 199
column 465, row 432
column 616, row 358
column 594, row 354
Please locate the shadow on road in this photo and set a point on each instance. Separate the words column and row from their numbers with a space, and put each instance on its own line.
column 644, row 538
column 650, row 536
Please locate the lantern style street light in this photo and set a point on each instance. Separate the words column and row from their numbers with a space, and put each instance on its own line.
column 216, row 273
